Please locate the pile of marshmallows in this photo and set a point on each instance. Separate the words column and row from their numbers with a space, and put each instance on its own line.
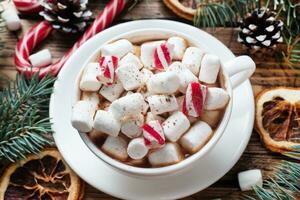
column 162, row 79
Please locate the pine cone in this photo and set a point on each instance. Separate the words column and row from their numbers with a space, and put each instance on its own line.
column 70, row 16
column 260, row 29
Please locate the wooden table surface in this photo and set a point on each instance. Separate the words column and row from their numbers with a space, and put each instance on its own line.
column 268, row 73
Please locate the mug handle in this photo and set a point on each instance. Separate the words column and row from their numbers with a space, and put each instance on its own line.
column 239, row 69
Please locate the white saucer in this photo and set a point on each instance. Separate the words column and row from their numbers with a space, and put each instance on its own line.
column 205, row 172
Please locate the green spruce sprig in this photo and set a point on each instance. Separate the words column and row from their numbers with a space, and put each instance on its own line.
column 284, row 185
column 24, row 122
column 222, row 12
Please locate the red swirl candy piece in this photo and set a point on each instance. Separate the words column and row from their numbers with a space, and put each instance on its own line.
column 162, row 57
column 153, row 134
column 194, row 99
column 108, row 65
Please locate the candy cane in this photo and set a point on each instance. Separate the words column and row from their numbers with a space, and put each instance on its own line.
column 28, row 6
column 25, row 45
column 40, row 31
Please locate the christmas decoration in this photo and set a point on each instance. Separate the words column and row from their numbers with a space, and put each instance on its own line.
column 277, row 120
column 30, row 39
column 28, row 6
column 260, row 29
column 40, row 31
column 42, row 176
column 67, row 15
column 24, row 123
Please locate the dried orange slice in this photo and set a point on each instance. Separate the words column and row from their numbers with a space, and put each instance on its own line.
column 42, row 177
column 183, row 8
column 278, row 120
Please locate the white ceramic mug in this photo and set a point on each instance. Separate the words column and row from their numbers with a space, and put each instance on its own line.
column 235, row 72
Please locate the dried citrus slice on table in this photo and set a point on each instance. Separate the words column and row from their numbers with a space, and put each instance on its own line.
column 43, row 177
column 183, row 8
column 278, row 120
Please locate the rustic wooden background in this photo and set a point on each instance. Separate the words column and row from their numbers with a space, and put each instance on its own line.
column 269, row 73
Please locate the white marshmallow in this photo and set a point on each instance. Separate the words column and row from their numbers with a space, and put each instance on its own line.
column 168, row 155
column 192, row 59
column 196, row 137
column 82, row 116
column 89, row 80
column 131, row 127
column 115, row 147
column 92, row 97
column 184, row 74
column 250, row 178
column 194, row 100
column 146, row 74
column 147, row 52
column 131, row 58
column 41, row 58
column 137, row 148
column 163, row 83
column 12, row 19
column 113, row 91
column 106, row 123
column 212, row 117
column 150, row 117
column 162, row 103
column 130, row 76
column 179, row 46
column 175, row 126
column 129, row 105
column 118, row 48
column 216, row 98
column 209, row 70
column 153, row 134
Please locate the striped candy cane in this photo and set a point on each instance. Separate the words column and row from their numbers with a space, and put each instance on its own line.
column 40, row 31
column 28, row 6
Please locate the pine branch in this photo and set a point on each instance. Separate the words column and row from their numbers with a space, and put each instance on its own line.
column 292, row 56
column 24, row 122
column 222, row 12
column 285, row 185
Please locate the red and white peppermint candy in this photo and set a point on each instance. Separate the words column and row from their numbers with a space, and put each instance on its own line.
column 108, row 65
column 194, row 99
column 28, row 6
column 162, row 56
column 153, row 134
